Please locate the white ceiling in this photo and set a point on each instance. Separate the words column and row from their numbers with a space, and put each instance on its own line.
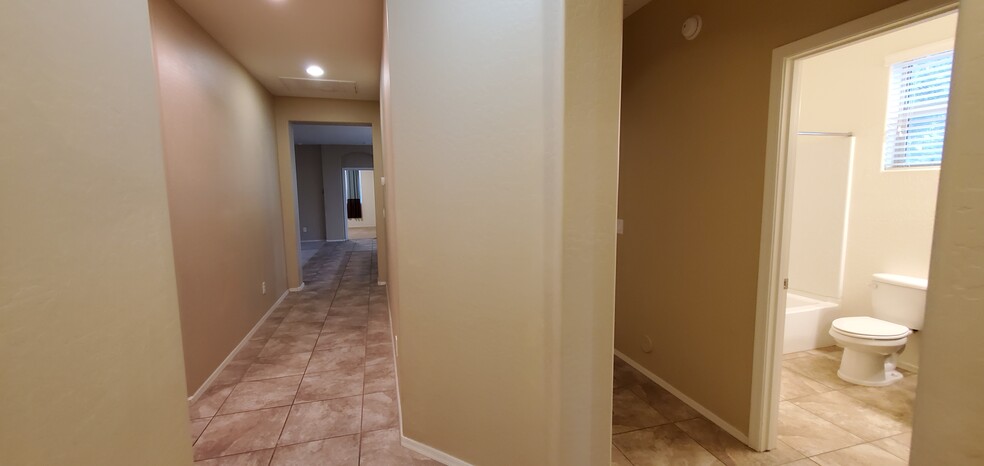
column 280, row 38
column 331, row 134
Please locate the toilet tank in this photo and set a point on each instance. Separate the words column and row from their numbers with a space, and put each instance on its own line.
column 899, row 299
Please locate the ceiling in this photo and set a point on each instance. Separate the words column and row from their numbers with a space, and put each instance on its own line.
column 632, row 6
column 274, row 39
column 331, row 134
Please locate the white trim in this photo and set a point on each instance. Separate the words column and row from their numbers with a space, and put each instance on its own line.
column 431, row 452
column 381, row 283
column 208, row 382
column 907, row 366
column 295, row 290
column 684, row 398
column 313, row 241
column 773, row 260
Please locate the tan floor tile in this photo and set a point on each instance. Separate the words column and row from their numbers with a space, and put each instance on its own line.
column 798, row 354
column 338, row 358
column 253, row 458
column 896, row 401
column 341, row 339
column 380, row 377
column 307, row 313
column 289, row 344
column 342, row 323
column 382, row 448
column 267, row 328
column 662, row 445
column 210, row 401
column 819, row 368
column 233, row 372
column 298, row 328
column 278, row 366
column 663, row 401
column 322, row 419
column 618, row 459
column 379, row 337
column 379, row 411
column 250, row 350
column 333, row 384
column 802, row 462
column 625, row 375
column 260, row 394
column 897, row 445
column 379, row 354
column 338, row 451
column 866, row 454
column 852, row 415
column 629, row 412
column 730, row 450
column 810, row 434
column 345, row 298
column 797, row 386
column 197, row 427
column 239, row 433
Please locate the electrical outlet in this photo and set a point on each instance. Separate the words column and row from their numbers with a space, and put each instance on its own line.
column 619, row 226
column 263, row 287
column 304, row 229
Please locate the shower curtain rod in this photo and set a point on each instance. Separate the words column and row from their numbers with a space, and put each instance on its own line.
column 824, row 133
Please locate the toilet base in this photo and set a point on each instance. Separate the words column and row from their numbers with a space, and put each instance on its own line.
column 868, row 368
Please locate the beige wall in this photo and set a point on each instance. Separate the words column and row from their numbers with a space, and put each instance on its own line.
column 294, row 109
column 692, row 161
column 890, row 227
column 310, row 192
column 90, row 344
column 502, row 171
column 949, row 414
column 220, row 158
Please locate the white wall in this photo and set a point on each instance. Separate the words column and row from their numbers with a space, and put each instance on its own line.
column 890, row 223
column 368, row 202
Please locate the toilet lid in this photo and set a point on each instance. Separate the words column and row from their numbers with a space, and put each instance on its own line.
column 870, row 328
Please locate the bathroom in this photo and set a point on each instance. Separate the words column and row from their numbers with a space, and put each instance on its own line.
column 863, row 203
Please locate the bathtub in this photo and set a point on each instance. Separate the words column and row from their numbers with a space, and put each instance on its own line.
column 807, row 323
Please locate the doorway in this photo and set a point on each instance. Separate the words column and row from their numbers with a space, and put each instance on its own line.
column 856, row 131
column 325, row 156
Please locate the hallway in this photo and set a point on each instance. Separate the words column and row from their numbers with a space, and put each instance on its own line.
column 316, row 383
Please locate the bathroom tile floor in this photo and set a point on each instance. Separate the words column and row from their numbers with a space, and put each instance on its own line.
column 315, row 385
column 822, row 420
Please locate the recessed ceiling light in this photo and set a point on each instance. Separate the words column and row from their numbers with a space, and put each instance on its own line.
column 315, row 71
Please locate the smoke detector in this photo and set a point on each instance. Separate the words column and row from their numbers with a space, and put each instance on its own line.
column 691, row 27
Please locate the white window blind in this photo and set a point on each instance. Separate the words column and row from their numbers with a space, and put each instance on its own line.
column 916, row 119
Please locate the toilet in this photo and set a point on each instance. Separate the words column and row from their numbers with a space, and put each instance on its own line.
column 871, row 344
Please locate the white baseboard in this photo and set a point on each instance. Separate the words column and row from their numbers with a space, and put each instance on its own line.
column 208, row 382
column 686, row 399
column 381, row 283
column 431, row 452
column 295, row 290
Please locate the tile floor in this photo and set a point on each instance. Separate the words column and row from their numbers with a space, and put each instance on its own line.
column 822, row 420
column 361, row 232
column 316, row 384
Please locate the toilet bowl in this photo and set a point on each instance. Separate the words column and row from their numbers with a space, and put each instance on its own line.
column 870, row 346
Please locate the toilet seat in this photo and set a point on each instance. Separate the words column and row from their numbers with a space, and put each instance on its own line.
column 869, row 328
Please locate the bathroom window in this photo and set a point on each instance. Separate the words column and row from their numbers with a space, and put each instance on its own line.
column 916, row 120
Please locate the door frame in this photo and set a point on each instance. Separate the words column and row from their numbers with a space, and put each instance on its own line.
column 774, row 243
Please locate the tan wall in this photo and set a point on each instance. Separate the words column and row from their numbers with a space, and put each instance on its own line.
column 294, row 109
column 949, row 414
column 502, row 172
column 90, row 343
column 891, row 212
column 692, row 161
column 220, row 158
